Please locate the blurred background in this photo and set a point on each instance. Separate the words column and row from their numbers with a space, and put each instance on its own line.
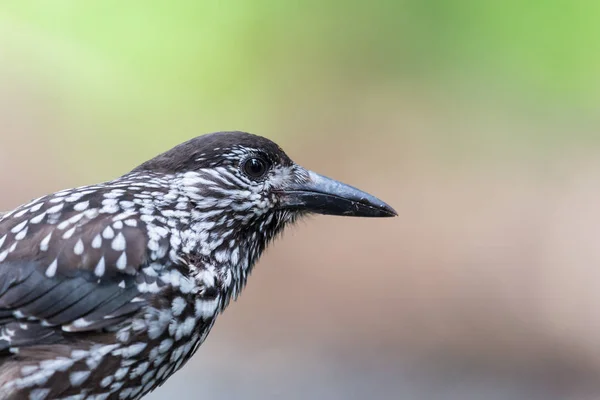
column 478, row 121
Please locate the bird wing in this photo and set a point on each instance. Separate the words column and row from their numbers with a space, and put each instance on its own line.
column 66, row 268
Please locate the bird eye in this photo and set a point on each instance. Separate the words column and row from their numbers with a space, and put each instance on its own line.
column 255, row 167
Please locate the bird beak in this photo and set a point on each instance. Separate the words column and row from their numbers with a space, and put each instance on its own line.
column 323, row 195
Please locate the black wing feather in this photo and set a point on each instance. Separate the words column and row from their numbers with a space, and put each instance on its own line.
column 70, row 307
column 110, row 307
column 41, row 306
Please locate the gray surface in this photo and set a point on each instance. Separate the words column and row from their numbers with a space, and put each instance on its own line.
column 217, row 375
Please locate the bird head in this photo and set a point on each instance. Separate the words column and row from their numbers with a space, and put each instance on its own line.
column 250, row 178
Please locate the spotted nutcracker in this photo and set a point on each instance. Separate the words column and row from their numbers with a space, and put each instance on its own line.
column 107, row 290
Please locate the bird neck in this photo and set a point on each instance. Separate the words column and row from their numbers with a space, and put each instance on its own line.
column 234, row 252
column 229, row 239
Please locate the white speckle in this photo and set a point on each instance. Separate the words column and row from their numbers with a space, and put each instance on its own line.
column 131, row 222
column 153, row 245
column 76, row 325
column 59, row 364
column 78, row 249
column 104, row 350
column 99, row 270
column 150, row 271
column 115, row 194
column 93, row 361
column 178, row 306
column 135, row 391
column 156, row 328
column 36, row 379
column 147, row 218
column 122, row 261
column 176, row 354
column 122, row 284
column 187, row 285
column 148, row 386
column 79, row 354
column 123, row 335
column 77, row 378
column 99, row 396
column 118, row 225
column 29, row 369
column 172, row 277
column 235, row 256
column 162, row 371
column 110, row 208
column 121, row 372
column 81, row 206
column 76, row 397
column 146, row 210
column 165, row 345
column 21, row 235
column 118, row 243
column 55, row 209
column 38, row 218
column 139, row 370
column 126, row 393
column 21, row 213
column 161, row 231
column 76, row 218
column 126, row 204
column 91, row 213
column 97, row 242
column 69, row 233
column 17, row 228
column 139, row 325
column 206, row 308
column 74, row 197
column 36, row 207
column 107, row 380
column 51, row 271
column 147, row 376
column 39, row 394
column 116, row 386
column 145, row 287
column 45, row 242
column 108, row 233
column 185, row 328
column 123, row 216
column 221, row 256
column 134, row 349
column 159, row 360
column 153, row 353
column 63, row 225
column 3, row 255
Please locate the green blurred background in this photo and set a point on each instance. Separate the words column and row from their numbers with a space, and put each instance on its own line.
column 478, row 120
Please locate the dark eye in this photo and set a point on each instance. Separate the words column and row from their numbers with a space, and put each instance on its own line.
column 255, row 167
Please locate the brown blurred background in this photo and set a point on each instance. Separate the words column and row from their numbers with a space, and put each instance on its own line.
column 478, row 121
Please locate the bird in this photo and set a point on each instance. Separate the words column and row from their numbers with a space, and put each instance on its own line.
column 107, row 290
